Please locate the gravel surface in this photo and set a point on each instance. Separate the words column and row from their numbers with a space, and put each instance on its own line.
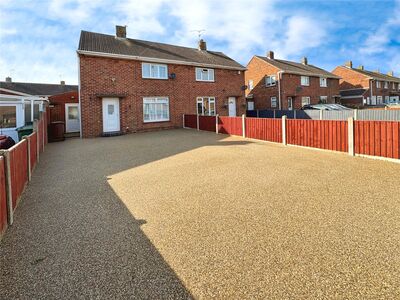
column 180, row 214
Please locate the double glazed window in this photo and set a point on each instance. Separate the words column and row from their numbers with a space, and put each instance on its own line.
column 204, row 74
column 305, row 101
column 323, row 82
column 386, row 85
column 8, row 116
column 270, row 80
column 323, row 99
column 273, row 102
column 378, row 84
column 154, row 71
column 305, row 80
column 206, row 106
column 155, row 109
column 251, row 84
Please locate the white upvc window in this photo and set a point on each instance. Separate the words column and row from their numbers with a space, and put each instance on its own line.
column 251, row 83
column 204, row 74
column 323, row 82
column 386, row 85
column 273, row 102
column 393, row 86
column 206, row 106
column 379, row 99
column 387, row 98
column 378, row 84
column 154, row 71
column 305, row 101
column 155, row 109
column 323, row 99
column 305, row 80
column 8, row 116
column 270, row 80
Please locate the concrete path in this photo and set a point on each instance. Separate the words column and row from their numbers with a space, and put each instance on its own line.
column 181, row 214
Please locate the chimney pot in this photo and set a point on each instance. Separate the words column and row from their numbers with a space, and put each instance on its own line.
column 349, row 64
column 361, row 67
column 270, row 54
column 202, row 45
column 62, row 82
column 304, row 61
column 390, row 73
column 120, row 31
column 8, row 79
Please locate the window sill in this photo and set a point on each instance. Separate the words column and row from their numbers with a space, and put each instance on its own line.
column 205, row 80
column 155, row 78
column 156, row 121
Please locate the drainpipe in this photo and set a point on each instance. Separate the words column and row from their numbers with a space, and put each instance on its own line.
column 371, row 86
column 79, row 96
column 279, row 88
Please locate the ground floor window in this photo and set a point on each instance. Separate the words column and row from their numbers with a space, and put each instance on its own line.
column 323, row 99
column 305, row 101
column 206, row 106
column 155, row 109
column 273, row 102
column 8, row 116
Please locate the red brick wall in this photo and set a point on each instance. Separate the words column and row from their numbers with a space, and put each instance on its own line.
column 97, row 79
column 57, row 111
column 290, row 86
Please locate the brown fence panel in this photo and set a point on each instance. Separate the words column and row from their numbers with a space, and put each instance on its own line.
column 33, row 141
column 329, row 135
column 230, row 125
column 190, row 121
column 264, row 129
column 377, row 138
column 3, row 200
column 19, row 170
column 207, row 123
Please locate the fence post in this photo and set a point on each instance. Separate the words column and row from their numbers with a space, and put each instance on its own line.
column 321, row 114
column 216, row 124
column 29, row 157
column 274, row 114
column 36, row 129
column 183, row 121
column 243, row 125
column 355, row 114
column 10, row 212
column 258, row 115
column 198, row 123
column 284, row 130
column 350, row 134
column 294, row 114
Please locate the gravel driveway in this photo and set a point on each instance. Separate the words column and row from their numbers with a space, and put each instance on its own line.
column 180, row 214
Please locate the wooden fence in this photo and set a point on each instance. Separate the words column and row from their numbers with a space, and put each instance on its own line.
column 16, row 166
column 372, row 138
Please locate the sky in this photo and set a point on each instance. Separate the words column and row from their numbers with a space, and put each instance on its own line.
column 39, row 39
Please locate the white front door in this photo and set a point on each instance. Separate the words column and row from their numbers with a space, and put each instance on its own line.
column 72, row 117
column 111, row 115
column 232, row 106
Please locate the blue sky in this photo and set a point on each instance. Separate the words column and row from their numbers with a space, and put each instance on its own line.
column 38, row 39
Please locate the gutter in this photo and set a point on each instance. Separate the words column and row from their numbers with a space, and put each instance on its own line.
column 159, row 60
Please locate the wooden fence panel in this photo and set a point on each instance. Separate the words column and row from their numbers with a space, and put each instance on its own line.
column 230, row 125
column 207, row 123
column 264, row 129
column 377, row 138
column 190, row 121
column 18, row 155
column 329, row 135
column 3, row 199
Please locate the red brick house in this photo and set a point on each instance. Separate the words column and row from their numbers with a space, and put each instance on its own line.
column 129, row 85
column 64, row 107
column 359, row 87
column 281, row 84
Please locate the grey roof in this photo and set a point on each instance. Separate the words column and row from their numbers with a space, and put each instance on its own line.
column 38, row 89
column 298, row 68
column 376, row 75
column 352, row 92
column 103, row 43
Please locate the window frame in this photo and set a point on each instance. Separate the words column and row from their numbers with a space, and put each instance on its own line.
column 274, row 99
column 320, row 99
column 251, row 84
column 309, row 100
column 386, row 85
column 378, row 84
column 200, row 99
column 272, row 82
column 208, row 74
column 324, row 80
column 16, row 116
column 156, row 98
column 302, row 82
column 158, row 71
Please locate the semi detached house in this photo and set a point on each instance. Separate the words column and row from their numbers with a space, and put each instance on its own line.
column 129, row 85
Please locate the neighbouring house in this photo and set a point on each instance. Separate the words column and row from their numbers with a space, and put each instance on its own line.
column 280, row 84
column 64, row 108
column 360, row 87
column 129, row 85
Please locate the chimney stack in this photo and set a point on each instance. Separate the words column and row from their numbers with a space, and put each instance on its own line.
column 62, row 82
column 202, row 45
column 270, row 54
column 349, row 64
column 120, row 31
column 390, row 73
column 361, row 67
column 304, row 61
column 8, row 79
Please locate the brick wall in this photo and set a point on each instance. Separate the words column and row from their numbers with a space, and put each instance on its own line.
column 123, row 78
column 290, row 87
column 57, row 111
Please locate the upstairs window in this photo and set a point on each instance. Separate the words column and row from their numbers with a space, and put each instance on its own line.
column 270, row 80
column 393, row 86
column 386, row 85
column 378, row 84
column 154, row 71
column 323, row 82
column 305, row 80
column 251, row 85
column 204, row 74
